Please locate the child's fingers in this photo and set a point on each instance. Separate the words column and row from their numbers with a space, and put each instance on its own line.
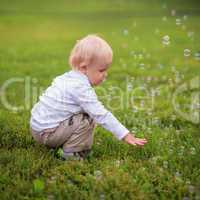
column 140, row 142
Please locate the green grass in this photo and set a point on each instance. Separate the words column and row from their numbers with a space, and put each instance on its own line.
column 35, row 41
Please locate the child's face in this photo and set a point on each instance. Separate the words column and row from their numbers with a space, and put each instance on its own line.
column 97, row 72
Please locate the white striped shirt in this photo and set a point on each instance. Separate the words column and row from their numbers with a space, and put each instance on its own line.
column 68, row 94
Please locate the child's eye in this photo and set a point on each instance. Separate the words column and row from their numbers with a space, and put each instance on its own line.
column 103, row 70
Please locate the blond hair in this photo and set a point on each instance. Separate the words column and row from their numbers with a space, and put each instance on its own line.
column 88, row 49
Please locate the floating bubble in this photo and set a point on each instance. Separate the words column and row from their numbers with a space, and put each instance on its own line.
column 140, row 56
column 197, row 56
column 142, row 103
column 177, row 77
column 135, row 109
column 186, row 198
column 142, row 65
column 170, row 151
column 125, row 32
column 101, row 196
column 188, row 182
column 160, row 65
column 173, row 12
column 192, row 151
column 177, row 174
column 165, row 164
column 185, row 17
column 190, row 34
column 117, row 163
column 187, row 52
column 166, row 37
column 191, row 188
column 129, row 86
column 166, row 40
column 178, row 21
column 149, row 79
column 155, row 121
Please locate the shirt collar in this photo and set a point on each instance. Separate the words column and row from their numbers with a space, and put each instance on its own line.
column 80, row 75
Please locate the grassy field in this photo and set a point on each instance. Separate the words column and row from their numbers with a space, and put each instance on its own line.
column 153, row 87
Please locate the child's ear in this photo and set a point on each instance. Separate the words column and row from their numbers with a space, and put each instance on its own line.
column 83, row 67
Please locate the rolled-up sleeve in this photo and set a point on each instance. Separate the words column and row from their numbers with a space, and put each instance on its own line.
column 86, row 97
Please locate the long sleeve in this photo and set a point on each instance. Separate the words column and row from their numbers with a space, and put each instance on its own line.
column 86, row 97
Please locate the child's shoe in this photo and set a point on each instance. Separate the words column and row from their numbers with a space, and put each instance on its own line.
column 71, row 156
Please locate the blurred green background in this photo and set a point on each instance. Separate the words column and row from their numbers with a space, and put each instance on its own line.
column 156, row 45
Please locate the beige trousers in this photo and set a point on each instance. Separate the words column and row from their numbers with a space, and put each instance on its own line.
column 74, row 134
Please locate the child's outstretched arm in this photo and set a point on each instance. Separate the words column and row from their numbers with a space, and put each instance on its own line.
column 131, row 139
column 86, row 97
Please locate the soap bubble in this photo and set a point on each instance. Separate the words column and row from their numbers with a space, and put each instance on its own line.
column 191, row 188
column 185, row 17
column 140, row 56
column 190, row 34
column 129, row 86
column 173, row 12
column 170, row 151
column 117, row 163
column 165, row 164
column 186, row 198
column 166, row 40
column 125, row 32
column 197, row 56
column 101, row 196
column 142, row 65
column 187, row 52
column 192, row 151
column 149, row 79
column 160, row 66
column 142, row 103
column 135, row 109
column 177, row 174
column 178, row 21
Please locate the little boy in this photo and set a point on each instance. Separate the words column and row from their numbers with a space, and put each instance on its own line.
column 66, row 113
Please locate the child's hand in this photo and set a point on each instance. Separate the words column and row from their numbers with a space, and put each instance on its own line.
column 131, row 139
